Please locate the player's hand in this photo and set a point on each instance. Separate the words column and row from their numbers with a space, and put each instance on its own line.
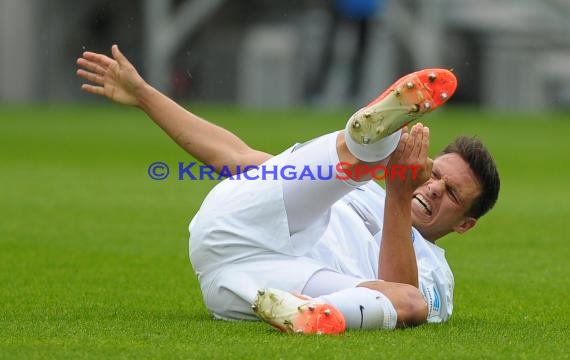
column 116, row 78
column 411, row 155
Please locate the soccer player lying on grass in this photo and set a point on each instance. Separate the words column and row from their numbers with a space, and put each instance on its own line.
column 319, row 256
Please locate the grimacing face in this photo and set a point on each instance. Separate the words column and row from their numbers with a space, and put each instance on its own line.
column 440, row 205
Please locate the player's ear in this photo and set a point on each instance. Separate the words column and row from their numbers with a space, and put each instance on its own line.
column 465, row 224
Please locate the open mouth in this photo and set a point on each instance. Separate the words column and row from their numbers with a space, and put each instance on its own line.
column 420, row 200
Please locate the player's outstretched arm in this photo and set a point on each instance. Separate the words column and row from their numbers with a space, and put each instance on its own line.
column 117, row 79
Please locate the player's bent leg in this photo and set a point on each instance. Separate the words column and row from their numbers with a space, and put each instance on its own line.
column 307, row 199
column 410, row 305
column 386, row 304
column 362, row 308
column 370, row 305
column 336, row 297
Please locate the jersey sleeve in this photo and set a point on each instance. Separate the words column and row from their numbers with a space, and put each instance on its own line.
column 436, row 287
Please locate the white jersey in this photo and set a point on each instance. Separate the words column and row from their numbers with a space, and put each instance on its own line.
column 240, row 242
column 358, row 217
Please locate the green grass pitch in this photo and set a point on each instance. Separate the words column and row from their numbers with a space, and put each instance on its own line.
column 93, row 253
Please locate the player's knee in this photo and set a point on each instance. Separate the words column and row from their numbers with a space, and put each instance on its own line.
column 412, row 311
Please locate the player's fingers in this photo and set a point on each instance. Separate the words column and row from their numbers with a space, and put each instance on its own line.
column 413, row 139
column 94, row 78
column 97, row 90
column 428, row 165
column 424, row 148
column 118, row 55
column 82, row 73
column 91, row 66
column 418, row 141
column 401, row 148
column 100, row 59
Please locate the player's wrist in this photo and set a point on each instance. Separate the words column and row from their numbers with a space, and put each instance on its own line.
column 400, row 182
column 144, row 95
column 399, row 192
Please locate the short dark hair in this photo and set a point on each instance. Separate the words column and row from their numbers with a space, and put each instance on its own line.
column 474, row 153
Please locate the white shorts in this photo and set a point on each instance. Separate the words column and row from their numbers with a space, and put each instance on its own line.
column 240, row 243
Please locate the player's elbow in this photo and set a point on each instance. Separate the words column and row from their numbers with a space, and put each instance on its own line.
column 414, row 310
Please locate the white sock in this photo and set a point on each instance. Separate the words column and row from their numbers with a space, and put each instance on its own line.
column 363, row 308
column 377, row 151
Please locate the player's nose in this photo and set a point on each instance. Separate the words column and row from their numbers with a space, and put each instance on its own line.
column 435, row 188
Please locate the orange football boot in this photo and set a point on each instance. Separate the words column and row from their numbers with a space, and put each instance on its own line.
column 405, row 101
column 297, row 314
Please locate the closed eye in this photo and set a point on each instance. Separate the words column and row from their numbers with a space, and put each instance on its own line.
column 448, row 188
column 452, row 193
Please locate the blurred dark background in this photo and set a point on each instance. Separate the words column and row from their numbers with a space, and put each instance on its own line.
column 507, row 54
